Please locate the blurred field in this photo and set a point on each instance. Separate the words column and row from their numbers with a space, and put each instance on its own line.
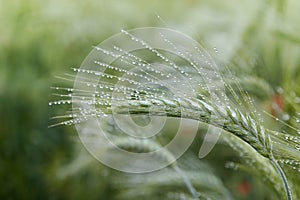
column 41, row 39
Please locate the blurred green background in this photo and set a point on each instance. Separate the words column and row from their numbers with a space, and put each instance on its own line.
column 41, row 39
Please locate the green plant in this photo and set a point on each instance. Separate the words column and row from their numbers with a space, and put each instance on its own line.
column 262, row 74
column 119, row 80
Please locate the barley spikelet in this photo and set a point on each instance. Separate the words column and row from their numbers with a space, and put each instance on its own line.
column 160, row 72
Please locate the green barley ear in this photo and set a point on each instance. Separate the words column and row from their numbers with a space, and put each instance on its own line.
column 156, row 73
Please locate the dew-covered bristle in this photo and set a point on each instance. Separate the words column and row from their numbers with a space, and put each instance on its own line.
column 169, row 80
column 154, row 78
column 176, row 80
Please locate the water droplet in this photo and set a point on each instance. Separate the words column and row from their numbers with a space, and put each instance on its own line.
column 285, row 117
column 216, row 50
column 280, row 90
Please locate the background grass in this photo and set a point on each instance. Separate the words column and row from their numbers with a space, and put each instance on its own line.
column 41, row 39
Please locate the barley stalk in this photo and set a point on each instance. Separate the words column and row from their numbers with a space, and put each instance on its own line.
column 116, row 80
